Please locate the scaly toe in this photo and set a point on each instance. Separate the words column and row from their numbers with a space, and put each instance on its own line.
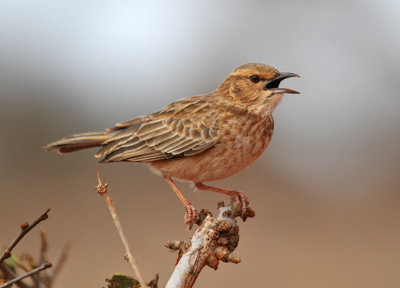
column 191, row 216
column 240, row 197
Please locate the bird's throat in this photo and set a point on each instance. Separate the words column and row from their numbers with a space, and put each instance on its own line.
column 265, row 106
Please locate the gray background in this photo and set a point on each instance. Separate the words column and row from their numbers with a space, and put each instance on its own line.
column 326, row 192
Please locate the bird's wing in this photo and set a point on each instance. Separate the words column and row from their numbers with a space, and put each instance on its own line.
column 183, row 128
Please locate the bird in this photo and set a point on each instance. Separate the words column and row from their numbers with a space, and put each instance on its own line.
column 197, row 139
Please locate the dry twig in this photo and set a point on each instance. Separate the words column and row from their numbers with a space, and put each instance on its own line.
column 48, row 278
column 103, row 191
column 28, row 264
column 30, row 273
column 8, row 274
column 25, row 229
column 59, row 262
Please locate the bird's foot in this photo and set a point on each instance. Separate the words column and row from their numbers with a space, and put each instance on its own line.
column 240, row 197
column 191, row 215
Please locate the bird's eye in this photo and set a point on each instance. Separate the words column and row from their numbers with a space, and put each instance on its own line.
column 255, row 78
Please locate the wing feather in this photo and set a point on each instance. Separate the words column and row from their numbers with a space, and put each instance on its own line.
column 183, row 128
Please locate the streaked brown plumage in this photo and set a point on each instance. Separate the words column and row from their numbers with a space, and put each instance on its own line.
column 197, row 139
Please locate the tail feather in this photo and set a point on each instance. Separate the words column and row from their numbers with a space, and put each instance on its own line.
column 78, row 142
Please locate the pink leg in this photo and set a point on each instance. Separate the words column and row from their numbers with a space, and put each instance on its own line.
column 235, row 195
column 191, row 215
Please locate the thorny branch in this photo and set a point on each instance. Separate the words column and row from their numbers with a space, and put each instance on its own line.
column 102, row 189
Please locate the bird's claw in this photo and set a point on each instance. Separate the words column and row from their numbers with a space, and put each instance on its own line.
column 240, row 197
column 191, row 215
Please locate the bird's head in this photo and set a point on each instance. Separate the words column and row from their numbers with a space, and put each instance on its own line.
column 256, row 87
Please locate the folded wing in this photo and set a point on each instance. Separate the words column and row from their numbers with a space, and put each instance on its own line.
column 183, row 128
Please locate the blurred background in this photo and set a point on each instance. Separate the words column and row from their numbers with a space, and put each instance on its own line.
column 326, row 191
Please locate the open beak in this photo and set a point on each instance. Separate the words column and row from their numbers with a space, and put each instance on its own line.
column 274, row 83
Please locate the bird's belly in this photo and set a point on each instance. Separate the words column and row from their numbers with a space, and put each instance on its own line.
column 236, row 152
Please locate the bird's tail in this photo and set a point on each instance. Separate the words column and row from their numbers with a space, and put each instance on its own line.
column 78, row 142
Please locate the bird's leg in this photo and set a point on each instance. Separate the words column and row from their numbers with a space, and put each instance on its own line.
column 191, row 215
column 240, row 197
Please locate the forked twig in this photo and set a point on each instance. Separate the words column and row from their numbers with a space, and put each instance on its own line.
column 102, row 189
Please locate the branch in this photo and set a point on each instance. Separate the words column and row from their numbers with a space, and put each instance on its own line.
column 214, row 241
column 103, row 191
column 48, row 278
column 9, row 274
column 30, row 273
column 25, row 229
column 59, row 262
column 43, row 246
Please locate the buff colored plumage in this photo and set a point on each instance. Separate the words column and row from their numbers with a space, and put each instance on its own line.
column 198, row 139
